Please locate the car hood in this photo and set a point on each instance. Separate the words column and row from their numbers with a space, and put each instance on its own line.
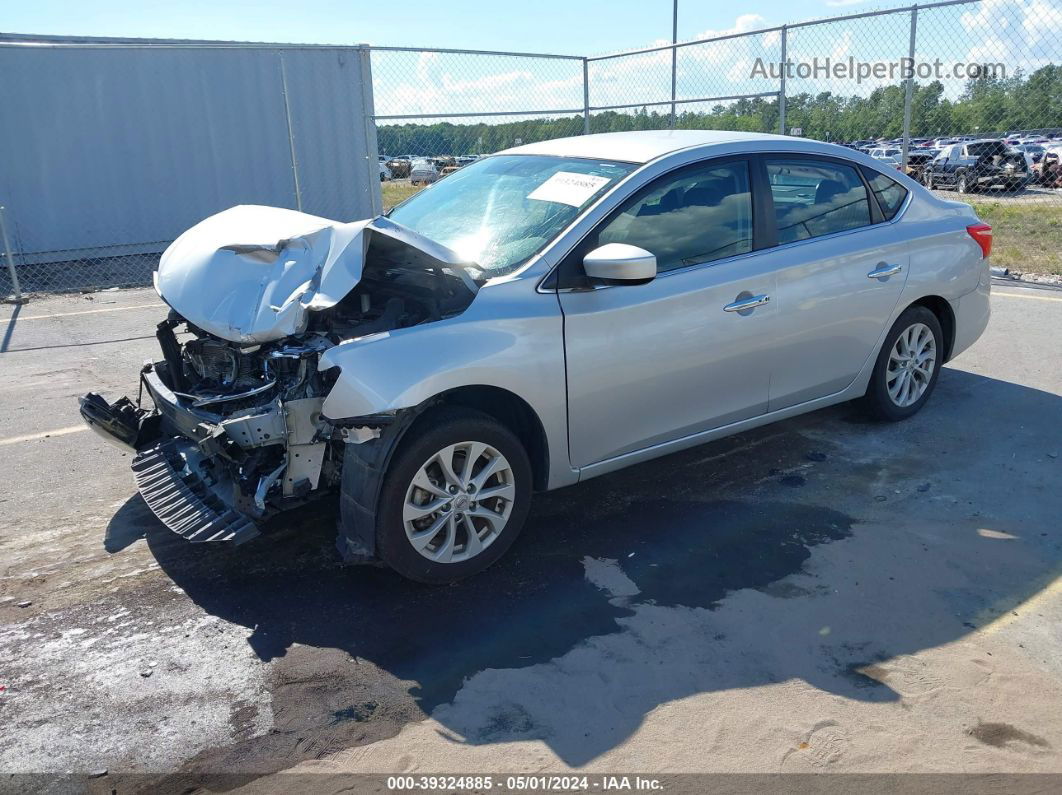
column 252, row 274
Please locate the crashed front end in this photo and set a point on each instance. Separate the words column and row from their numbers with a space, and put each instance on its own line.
column 234, row 430
column 998, row 165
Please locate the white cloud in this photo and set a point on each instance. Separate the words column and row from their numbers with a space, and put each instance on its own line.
column 1020, row 34
column 842, row 3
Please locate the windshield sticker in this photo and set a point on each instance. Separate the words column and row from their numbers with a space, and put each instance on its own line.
column 566, row 187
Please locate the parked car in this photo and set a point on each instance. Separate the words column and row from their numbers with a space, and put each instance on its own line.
column 543, row 316
column 400, row 167
column 885, row 152
column 423, row 172
column 977, row 165
column 916, row 163
column 385, row 172
column 1032, row 154
column 1048, row 170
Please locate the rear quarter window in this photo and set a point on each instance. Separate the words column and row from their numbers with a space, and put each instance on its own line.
column 890, row 193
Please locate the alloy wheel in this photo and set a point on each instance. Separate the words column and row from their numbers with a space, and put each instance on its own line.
column 458, row 502
column 911, row 364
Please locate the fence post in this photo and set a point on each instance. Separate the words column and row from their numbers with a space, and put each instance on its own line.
column 10, row 260
column 291, row 134
column 586, row 96
column 908, row 91
column 372, row 150
column 781, row 87
column 674, row 58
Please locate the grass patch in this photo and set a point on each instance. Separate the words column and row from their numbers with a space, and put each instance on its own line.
column 397, row 192
column 1025, row 237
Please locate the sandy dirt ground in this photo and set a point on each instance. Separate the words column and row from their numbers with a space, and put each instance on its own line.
column 821, row 595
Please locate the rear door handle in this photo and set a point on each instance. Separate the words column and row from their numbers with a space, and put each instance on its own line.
column 884, row 270
column 751, row 302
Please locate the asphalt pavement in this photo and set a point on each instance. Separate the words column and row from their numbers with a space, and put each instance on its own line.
column 823, row 594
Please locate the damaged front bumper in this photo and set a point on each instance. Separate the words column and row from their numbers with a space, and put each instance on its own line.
column 210, row 477
column 174, row 489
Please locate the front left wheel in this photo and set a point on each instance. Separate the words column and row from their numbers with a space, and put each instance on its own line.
column 455, row 497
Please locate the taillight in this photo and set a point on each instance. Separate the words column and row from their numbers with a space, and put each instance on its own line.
column 982, row 233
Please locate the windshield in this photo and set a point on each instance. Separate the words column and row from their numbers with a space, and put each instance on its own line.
column 499, row 211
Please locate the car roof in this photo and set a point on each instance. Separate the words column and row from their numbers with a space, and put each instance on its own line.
column 639, row 146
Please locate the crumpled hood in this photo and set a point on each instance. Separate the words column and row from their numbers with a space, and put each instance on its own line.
column 251, row 274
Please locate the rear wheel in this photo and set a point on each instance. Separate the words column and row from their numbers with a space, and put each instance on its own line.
column 907, row 367
column 962, row 183
column 455, row 497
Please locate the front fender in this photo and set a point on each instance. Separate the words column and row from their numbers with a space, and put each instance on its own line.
column 510, row 337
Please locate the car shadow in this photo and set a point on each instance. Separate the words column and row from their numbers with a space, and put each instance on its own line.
column 672, row 543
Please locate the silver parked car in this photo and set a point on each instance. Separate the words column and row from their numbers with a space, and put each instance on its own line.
column 423, row 172
column 544, row 315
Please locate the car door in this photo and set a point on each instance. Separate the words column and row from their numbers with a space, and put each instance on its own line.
column 840, row 270
column 941, row 174
column 689, row 350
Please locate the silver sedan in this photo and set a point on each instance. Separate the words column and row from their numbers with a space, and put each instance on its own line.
column 542, row 316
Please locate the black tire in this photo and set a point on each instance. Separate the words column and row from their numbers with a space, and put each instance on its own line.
column 927, row 180
column 434, row 431
column 962, row 184
column 877, row 400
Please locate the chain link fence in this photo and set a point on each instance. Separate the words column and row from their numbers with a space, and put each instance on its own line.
column 197, row 128
column 438, row 110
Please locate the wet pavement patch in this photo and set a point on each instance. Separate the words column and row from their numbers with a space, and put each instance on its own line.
column 354, row 712
column 534, row 605
column 423, row 642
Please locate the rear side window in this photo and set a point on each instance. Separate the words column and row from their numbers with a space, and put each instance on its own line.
column 697, row 215
column 890, row 193
column 816, row 197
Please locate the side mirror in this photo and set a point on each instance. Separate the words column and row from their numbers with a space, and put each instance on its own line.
column 620, row 262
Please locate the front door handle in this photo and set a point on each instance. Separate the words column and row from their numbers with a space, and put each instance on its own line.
column 884, row 270
column 744, row 304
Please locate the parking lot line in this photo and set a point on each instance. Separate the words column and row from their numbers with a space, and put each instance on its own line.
column 20, row 318
column 1051, row 589
column 1030, row 297
column 43, row 434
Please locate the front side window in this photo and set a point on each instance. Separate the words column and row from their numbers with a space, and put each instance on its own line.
column 816, row 197
column 698, row 215
column 501, row 210
column 889, row 192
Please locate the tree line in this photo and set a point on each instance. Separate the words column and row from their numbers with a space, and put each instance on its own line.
column 987, row 105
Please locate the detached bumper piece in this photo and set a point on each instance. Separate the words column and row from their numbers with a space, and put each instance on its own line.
column 121, row 423
column 184, row 502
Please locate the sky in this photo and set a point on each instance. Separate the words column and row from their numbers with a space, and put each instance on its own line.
column 578, row 27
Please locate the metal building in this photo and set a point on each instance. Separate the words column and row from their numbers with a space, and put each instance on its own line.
column 110, row 149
